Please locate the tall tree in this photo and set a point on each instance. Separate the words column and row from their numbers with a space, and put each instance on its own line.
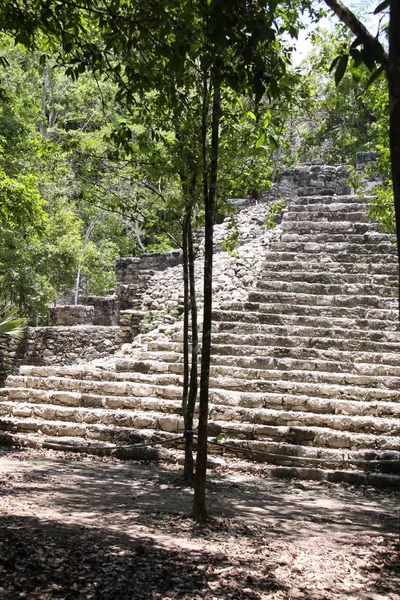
column 373, row 53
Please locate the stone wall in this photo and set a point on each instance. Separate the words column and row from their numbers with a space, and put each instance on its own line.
column 105, row 309
column 312, row 179
column 57, row 345
column 132, row 274
column 69, row 315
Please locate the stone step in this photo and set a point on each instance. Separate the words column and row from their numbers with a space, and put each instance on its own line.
column 338, row 367
column 77, row 418
column 293, row 430
column 307, row 268
column 87, row 373
column 325, row 202
column 330, row 289
column 333, row 312
column 367, row 375
column 327, row 277
column 315, row 358
column 337, row 249
column 331, row 214
column 372, row 468
column 321, row 254
column 110, row 388
column 323, row 394
column 319, row 352
column 90, row 432
column 305, row 331
column 323, row 458
column 266, row 341
column 329, row 227
column 296, row 394
column 313, row 300
column 137, row 449
column 309, row 237
column 89, row 401
column 304, row 429
column 294, row 320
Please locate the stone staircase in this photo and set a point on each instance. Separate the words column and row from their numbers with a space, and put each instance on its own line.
column 305, row 371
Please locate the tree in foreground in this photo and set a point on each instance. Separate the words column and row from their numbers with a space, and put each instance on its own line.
column 220, row 49
column 367, row 48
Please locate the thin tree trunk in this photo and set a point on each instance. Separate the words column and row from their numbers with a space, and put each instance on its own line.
column 192, row 393
column 186, row 309
column 199, row 511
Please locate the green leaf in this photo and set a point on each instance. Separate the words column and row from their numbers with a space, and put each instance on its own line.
column 375, row 76
column 260, row 140
column 382, row 6
column 334, row 63
column 341, row 68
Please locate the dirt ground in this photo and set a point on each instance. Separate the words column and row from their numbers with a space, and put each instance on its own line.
column 75, row 527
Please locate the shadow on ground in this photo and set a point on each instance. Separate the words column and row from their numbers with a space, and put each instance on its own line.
column 86, row 529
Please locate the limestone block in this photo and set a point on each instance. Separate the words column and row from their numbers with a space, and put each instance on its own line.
column 145, row 421
column 171, row 424
column 22, row 410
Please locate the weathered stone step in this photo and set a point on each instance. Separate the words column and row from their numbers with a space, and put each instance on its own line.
column 297, row 341
column 76, row 417
column 337, row 365
column 305, row 320
column 319, row 352
column 331, row 289
column 95, row 387
column 371, row 468
column 83, row 400
column 304, row 331
column 328, row 227
column 309, row 237
column 272, row 382
column 135, row 449
column 295, row 394
column 336, row 212
column 339, row 300
column 322, row 371
column 374, row 256
column 283, row 357
column 333, row 312
column 301, row 431
column 337, row 249
column 328, row 278
column 323, row 458
column 90, row 432
column 329, row 267
column 92, row 374
column 325, row 202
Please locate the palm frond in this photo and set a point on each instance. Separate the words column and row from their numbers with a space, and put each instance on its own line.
column 10, row 323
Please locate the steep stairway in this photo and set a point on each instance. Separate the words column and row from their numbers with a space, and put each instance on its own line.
column 305, row 371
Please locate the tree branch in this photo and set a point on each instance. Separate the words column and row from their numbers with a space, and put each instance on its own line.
column 360, row 31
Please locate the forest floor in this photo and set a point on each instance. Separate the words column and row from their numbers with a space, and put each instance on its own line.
column 76, row 527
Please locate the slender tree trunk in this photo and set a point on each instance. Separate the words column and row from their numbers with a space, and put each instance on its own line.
column 393, row 75
column 192, row 393
column 391, row 65
column 199, row 511
column 186, row 309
